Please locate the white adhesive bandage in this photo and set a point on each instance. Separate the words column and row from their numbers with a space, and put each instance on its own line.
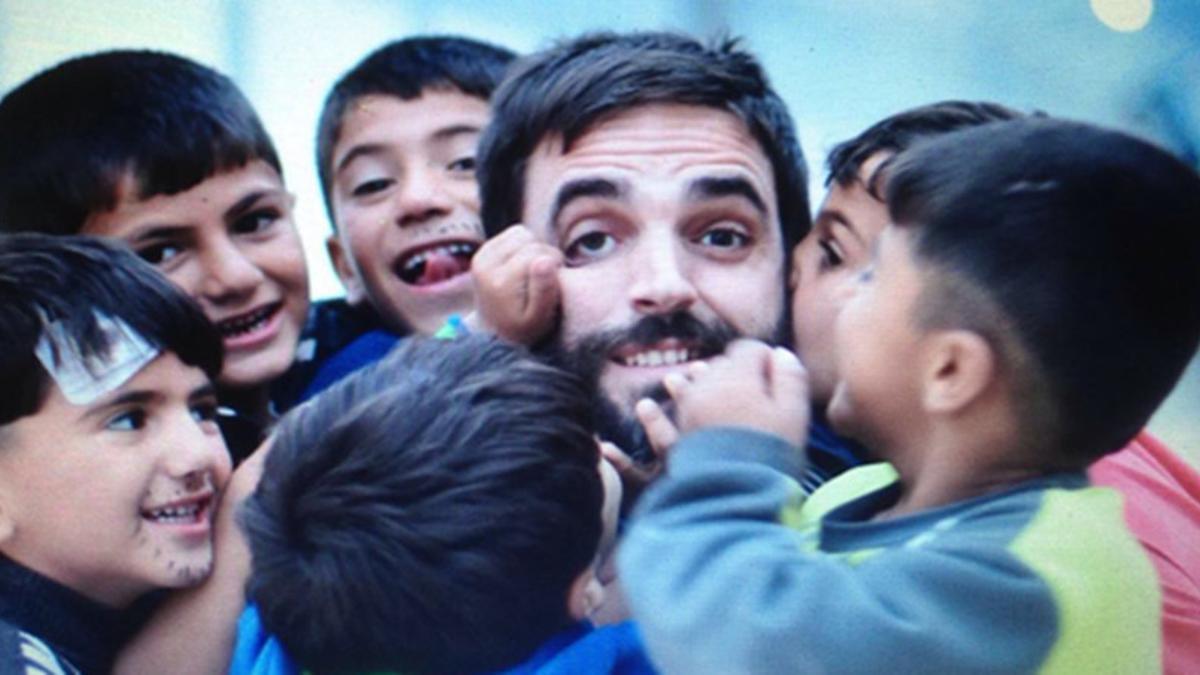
column 84, row 379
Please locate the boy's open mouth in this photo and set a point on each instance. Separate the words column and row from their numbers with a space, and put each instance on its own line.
column 436, row 262
column 182, row 512
column 248, row 322
column 665, row 353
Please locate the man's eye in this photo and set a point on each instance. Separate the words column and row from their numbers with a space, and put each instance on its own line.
column 157, row 254
column 724, row 238
column 130, row 420
column 591, row 246
column 370, row 187
column 463, row 164
column 255, row 221
column 830, row 255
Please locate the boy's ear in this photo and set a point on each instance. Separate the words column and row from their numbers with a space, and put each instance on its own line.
column 958, row 367
column 343, row 264
column 585, row 595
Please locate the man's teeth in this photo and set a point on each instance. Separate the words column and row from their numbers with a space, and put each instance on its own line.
column 658, row 357
column 175, row 514
column 245, row 324
column 456, row 249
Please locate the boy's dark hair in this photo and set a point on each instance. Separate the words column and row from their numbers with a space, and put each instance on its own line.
column 405, row 69
column 428, row 515
column 69, row 279
column 1075, row 251
column 576, row 85
column 70, row 134
column 896, row 133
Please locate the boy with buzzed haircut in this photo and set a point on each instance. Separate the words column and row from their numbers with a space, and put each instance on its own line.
column 167, row 155
column 1161, row 492
column 970, row 359
column 437, row 513
column 396, row 158
column 110, row 458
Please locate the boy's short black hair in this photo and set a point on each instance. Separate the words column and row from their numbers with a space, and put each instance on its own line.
column 70, row 134
column 428, row 515
column 405, row 69
column 898, row 132
column 69, row 279
column 569, row 89
column 1076, row 252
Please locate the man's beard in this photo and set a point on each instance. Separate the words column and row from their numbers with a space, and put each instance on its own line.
column 591, row 355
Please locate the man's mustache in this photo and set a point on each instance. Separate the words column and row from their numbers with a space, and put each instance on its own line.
column 702, row 339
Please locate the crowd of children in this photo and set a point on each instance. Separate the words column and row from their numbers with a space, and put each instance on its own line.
column 601, row 396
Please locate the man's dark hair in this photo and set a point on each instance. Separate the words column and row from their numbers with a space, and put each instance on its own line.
column 405, row 69
column 1075, row 251
column 569, row 89
column 70, row 134
column 427, row 515
column 71, row 279
column 898, row 132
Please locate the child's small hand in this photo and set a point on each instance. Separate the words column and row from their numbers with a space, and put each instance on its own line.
column 751, row 385
column 516, row 285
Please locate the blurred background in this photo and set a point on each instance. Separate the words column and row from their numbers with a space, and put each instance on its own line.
column 840, row 65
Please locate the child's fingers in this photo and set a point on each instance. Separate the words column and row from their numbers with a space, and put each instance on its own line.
column 676, row 385
column 542, row 290
column 789, row 379
column 615, row 456
column 660, row 430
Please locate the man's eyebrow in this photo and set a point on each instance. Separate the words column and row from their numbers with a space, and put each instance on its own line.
column 711, row 187
column 585, row 187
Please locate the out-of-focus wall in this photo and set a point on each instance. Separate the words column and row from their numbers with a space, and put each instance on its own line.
column 840, row 65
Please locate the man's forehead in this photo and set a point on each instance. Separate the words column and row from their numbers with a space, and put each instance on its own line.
column 665, row 142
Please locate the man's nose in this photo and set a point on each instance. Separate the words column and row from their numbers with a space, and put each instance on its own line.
column 661, row 283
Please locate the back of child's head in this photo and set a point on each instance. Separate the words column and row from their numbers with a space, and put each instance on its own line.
column 71, row 282
column 69, row 135
column 429, row 515
column 1075, row 251
column 898, row 132
column 405, row 69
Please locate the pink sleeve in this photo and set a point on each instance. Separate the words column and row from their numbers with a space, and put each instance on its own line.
column 1162, row 508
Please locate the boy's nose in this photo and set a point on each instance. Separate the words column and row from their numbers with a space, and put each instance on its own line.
column 228, row 273
column 422, row 197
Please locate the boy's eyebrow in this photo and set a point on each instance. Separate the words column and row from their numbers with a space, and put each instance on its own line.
column 581, row 188
column 456, row 130
column 244, row 204
column 713, row 187
column 836, row 217
column 136, row 396
column 206, row 390
column 357, row 151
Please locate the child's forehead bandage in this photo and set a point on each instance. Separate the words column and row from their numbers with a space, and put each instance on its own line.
column 84, row 379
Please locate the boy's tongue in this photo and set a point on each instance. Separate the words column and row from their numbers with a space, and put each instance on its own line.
column 440, row 266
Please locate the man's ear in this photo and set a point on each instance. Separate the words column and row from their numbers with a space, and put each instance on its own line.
column 343, row 264
column 958, row 366
column 585, row 595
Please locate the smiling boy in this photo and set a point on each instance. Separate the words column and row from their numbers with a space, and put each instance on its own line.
column 396, row 158
column 168, row 156
column 110, row 458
